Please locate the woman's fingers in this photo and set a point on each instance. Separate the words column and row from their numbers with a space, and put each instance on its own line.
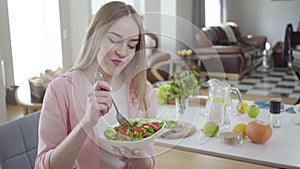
column 129, row 153
column 98, row 103
column 102, row 96
column 101, row 85
column 102, row 101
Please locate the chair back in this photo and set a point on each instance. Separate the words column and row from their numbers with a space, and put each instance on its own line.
column 293, row 37
column 18, row 142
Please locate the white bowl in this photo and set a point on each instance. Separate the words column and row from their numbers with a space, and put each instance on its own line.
column 138, row 144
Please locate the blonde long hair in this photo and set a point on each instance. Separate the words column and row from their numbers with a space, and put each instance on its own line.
column 106, row 16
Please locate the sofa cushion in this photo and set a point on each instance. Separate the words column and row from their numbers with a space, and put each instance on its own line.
column 229, row 33
column 18, row 143
column 219, row 49
column 220, row 33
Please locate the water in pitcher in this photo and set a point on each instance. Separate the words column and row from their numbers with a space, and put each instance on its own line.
column 219, row 104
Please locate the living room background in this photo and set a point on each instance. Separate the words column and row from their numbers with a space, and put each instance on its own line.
column 259, row 17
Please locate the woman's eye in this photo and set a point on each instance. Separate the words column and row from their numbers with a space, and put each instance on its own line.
column 113, row 40
column 132, row 46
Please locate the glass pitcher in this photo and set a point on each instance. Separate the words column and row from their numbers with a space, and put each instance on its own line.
column 219, row 104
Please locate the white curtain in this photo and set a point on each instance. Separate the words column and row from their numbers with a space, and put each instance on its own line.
column 35, row 37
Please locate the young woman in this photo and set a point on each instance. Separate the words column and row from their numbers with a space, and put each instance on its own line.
column 76, row 107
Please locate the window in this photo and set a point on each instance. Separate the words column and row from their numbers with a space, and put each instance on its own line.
column 215, row 12
column 35, row 37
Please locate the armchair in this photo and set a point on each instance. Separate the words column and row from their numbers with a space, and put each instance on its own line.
column 158, row 61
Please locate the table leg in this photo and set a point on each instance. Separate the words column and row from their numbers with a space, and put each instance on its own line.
column 25, row 110
column 171, row 68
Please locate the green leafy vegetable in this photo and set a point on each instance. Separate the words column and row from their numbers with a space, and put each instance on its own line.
column 110, row 133
column 170, row 123
column 182, row 86
column 162, row 93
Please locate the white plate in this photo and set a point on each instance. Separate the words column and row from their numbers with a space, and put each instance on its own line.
column 138, row 144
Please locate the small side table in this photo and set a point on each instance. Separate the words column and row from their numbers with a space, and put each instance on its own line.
column 23, row 99
column 185, row 62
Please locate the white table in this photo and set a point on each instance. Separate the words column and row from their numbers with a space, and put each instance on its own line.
column 281, row 151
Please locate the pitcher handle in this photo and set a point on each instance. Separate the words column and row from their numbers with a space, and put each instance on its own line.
column 237, row 91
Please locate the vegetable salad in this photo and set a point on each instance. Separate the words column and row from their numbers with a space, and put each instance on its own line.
column 141, row 128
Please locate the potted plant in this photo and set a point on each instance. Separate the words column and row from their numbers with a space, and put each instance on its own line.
column 182, row 86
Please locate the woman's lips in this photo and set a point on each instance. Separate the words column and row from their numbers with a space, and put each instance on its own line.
column 117, row 62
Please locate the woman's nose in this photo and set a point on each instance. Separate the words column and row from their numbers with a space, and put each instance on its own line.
column 122, row 50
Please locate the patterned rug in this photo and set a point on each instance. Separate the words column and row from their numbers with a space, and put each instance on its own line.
column 280, row 82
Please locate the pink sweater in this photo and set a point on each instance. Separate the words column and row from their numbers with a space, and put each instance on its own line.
column 63, row 107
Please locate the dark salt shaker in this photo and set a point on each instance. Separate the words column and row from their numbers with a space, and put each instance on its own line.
column 274, row 116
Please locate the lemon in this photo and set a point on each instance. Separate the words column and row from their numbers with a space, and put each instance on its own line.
column 243, row 108
column 189, row 52
column 218, row 100
column 179, row 52
column 210, row 129
column 240, row 127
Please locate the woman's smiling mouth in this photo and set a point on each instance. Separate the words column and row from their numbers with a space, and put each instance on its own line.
column 117, row 62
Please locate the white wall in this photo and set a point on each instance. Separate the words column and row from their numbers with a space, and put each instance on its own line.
column 5, row 46
column 66, row 40
column 3, row 113
column 151, row 16
column 184, row 24
column 264, row 17
column 168, row 26
column 172, row 22
column 75, row 18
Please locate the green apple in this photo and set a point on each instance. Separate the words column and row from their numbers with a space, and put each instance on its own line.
column 253, row 111
column 210, row 129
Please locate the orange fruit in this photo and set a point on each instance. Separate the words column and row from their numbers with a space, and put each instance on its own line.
column 240, row 127
column 258, row 131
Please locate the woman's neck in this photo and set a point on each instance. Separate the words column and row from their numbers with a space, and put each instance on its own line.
column 90, row 71
column 106, row 76
column 115, row 81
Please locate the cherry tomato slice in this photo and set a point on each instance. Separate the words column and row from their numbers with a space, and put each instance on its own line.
column 155, row 126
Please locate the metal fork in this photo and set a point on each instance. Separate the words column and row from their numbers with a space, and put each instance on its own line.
column 120, row 118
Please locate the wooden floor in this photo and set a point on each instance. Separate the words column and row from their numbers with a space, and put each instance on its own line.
column 178, row 159
column 14, row 112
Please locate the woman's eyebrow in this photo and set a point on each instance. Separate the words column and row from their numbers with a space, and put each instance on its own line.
column 120, row 36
